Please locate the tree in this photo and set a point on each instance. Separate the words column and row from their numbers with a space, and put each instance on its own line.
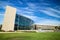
column 0, row 27
column 59, row 27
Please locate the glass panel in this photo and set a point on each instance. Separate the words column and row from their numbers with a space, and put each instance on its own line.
column 23, row 23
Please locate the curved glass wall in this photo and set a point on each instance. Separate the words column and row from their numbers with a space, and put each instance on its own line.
column 23, row 23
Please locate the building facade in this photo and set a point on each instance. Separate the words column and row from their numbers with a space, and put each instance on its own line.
column 13, row 21
column 44, row 28
column 23, row 23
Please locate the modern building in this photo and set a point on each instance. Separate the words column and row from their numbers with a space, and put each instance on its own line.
column 23, row 23
column 44, row 28
column 13, row 21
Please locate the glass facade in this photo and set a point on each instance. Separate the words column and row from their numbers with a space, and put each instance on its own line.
column 22, row 23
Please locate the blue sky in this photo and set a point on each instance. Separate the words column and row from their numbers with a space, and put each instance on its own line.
column 44, row 12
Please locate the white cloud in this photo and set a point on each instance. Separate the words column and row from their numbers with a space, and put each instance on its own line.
column 55, row 10
column 48, row 22
column 3, row 4
column 50, row 12
column 20, row 2
column 1, row 14
column 28, row 9
column 37, row 6
column 21, row 11
column 33, row 6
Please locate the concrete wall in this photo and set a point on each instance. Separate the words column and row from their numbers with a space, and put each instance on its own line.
column 9, row 19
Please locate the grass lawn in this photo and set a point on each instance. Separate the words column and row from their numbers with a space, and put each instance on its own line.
column 30, row 36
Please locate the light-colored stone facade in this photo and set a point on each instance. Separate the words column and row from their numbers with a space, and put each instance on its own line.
column 45, row 28
column 9, row 19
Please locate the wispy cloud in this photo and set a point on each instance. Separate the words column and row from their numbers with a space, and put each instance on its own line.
column 20, row 2
column 1, row 14
column 49, row 22
column 51, row 12
column 55, row 10
column 3, row 4
column 31, row 5
column 24, row 12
